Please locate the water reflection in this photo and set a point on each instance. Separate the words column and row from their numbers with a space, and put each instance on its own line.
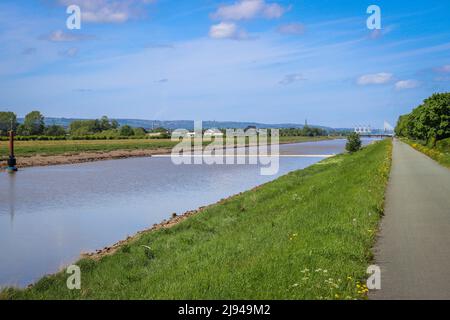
column 11, row 196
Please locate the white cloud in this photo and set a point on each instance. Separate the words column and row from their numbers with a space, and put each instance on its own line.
column 108, row 11
column 291, row 28
column 249, row 9
column 273, row 11
column 377, row 78
column 407, row 84
column 227, row 30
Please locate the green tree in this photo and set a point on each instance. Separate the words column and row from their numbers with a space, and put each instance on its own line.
column 401, row 130
column 158, row 130
column 22, row 131
column 435, row 117
column 429, row 122
column 55, row 131
column 114, row 124
column 34, row 123
column 354, row 143
column 139, row 132
column 126, row 131
column 85, row 127
column 104, row 123
column 6, row 119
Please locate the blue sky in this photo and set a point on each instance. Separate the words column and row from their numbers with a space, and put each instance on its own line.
column 242, row 60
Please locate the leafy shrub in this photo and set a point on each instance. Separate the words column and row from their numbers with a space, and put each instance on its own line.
column 443, row 145
column 353, row 143
column 35, row 138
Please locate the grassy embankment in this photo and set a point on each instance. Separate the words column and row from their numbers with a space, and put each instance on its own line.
column 307, row 235
column 441, row 153
column 69, row 147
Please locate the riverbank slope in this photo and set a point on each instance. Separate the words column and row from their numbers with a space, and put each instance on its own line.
column 307, row 235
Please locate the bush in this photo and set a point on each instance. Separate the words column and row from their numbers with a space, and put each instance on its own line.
column 354, row 143
column 35, row 138
column 443, row 145
column 126, row 131
column 55, row 131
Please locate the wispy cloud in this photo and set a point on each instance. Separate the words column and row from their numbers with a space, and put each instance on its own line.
column 442, row 79
column 379, row 33
column 291, row 78
column 69, row 53
column 443, row 69
column 228, row 30
column 406, row 84
column 291, row 29
column 377, row 78
column 249, row 9
column 109, row 11
column 61, row 36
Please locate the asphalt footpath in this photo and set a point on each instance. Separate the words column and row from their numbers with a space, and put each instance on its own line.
column 413, row 249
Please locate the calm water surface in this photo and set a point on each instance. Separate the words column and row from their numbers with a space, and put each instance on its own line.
column 49, row 215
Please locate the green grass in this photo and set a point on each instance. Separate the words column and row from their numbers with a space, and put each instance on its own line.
column 50, row 148
column 441, row 153
column 306, row 235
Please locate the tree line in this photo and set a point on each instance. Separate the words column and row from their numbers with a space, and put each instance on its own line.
column 429, row 122
column 306, row 131
column 34, row 126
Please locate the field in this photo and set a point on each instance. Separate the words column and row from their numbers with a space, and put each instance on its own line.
column 307, row 235
column 49, row 148
column 68, row 147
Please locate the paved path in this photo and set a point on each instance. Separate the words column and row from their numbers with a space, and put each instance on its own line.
column 414, row 246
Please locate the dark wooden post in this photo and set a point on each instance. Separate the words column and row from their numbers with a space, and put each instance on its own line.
column 12, row 159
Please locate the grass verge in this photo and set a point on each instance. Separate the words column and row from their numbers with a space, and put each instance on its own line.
column 440, row 154
column 306, row 235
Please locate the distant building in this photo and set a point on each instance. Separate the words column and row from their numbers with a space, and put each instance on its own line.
column 154, row 134
column 363, row 130
column 213, row 133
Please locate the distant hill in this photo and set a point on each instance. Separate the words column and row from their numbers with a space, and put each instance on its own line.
column 184, row 124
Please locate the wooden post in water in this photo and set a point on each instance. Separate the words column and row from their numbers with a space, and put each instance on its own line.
column 12, row 159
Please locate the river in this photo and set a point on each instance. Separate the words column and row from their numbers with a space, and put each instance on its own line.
column 49, row 215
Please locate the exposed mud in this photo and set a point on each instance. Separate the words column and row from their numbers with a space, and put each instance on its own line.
column 42, row 160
